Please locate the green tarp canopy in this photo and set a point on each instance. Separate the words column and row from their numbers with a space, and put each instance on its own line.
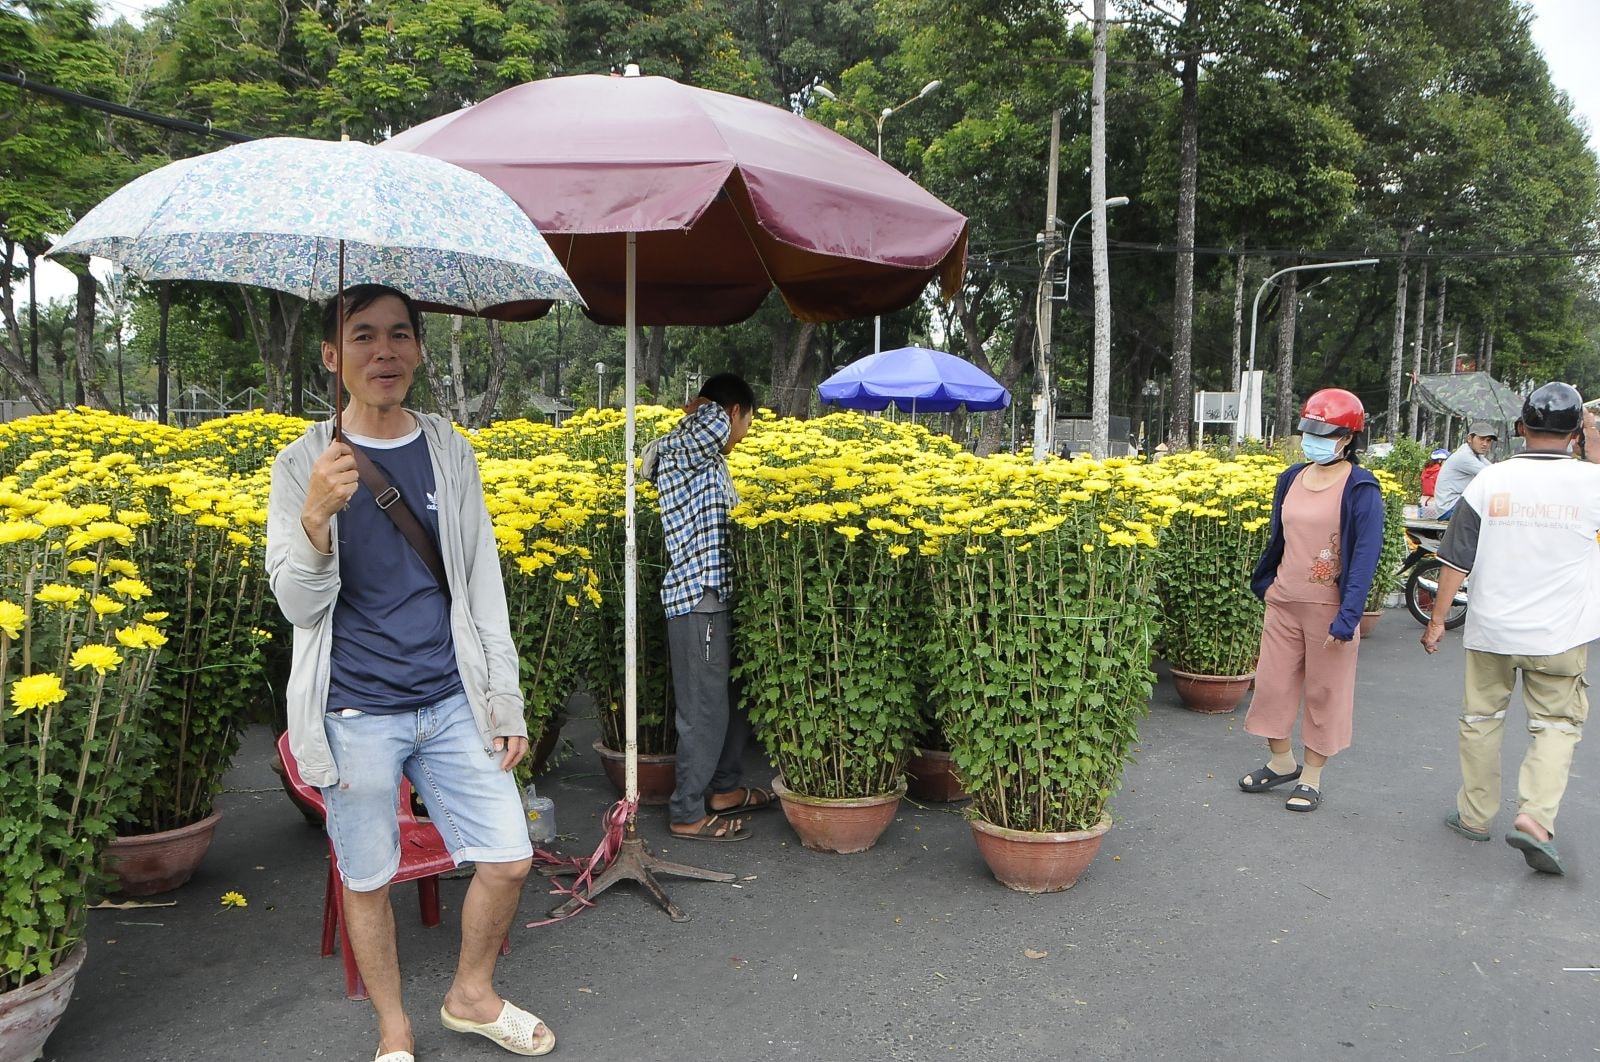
column 1470, row 396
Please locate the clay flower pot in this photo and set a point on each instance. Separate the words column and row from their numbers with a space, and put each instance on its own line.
column 148, row 863
column 930, row 777
column 658, row 775
column 830, row 825
column 1369, row 623
column 28, row 1015
column 1211, row 694
column 1037, row 862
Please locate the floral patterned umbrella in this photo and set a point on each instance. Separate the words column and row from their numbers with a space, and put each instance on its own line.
column 272, row 213
column 312, row 216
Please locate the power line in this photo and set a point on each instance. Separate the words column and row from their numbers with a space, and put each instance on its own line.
column 23, row 81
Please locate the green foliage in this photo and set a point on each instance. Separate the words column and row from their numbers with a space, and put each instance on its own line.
column 1043, row 668
column 823, row 656
column 1386, row 579
column 601, row 639
column 1404, row 461
column 68, row 758
column 208, row 679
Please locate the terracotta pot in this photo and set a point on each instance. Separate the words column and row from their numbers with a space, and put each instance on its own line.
column 853, row 824
column 28, row 1015
column 1037, row 862
column 147, row 863
column 1369, row 623
column 930, row 777
column 658, row 775
column 540, row 754
column 1211, row 694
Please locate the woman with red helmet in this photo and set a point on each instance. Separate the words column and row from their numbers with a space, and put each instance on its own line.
column 1327, row 530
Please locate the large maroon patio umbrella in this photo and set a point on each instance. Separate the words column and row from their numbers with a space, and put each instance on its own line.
column 673, row 205
column 729, row 197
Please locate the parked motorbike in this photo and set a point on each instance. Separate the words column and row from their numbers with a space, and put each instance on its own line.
column 1421, row 569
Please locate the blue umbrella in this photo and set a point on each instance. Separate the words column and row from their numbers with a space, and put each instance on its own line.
column 917, row 380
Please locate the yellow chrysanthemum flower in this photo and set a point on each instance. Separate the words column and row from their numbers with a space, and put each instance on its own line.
column 57, row 594
column 131, row 588
column 105, row 606
column 19, row 531
column 36, row 691
column 102, row 658
column 141, row 636
column 12, row 619
column 234, row 899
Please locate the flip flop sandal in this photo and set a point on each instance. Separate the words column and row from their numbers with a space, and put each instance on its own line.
column 1453, row 820
column 1541, row 855
column 1264, row 778
column 755, row 799
column 708, row 831
column 515, row 1030
column 1312, row 798
column 396, row 1056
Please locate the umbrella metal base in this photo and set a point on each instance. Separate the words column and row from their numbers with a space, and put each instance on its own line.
column 633, row 863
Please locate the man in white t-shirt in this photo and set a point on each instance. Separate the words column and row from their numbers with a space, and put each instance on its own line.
column 1525, row 528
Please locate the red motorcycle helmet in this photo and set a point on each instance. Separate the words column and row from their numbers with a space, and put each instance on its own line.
column 1333, row 411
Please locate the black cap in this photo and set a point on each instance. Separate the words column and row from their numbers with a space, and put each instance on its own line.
column 1556, row 408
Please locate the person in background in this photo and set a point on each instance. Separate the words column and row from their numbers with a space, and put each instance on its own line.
column 1525, row 529
column 398, row 669
column 1430, row 474
column 1327, row 531
column 1470, row 458
column 690, row 470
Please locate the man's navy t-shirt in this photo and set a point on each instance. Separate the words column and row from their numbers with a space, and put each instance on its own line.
column 392, row 649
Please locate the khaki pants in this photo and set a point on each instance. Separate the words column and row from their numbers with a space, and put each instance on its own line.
column 1553, row 689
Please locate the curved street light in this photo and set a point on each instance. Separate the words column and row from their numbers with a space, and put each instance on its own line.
column 1043, row 413
column 1250, row 407
column 878, row 120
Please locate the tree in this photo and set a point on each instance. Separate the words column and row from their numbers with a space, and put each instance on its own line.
column 53, row 162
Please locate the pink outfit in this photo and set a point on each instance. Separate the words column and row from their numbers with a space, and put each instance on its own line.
column 1302, row 604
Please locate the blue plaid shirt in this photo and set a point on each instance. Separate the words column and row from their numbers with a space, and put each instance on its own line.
column 696, row 492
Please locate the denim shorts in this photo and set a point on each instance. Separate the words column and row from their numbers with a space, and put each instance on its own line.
column 474, row 804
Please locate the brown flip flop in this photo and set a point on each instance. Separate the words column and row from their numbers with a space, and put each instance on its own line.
column 755, row 799
column 708, row 831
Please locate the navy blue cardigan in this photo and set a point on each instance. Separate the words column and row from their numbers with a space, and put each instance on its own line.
column 1360, row 542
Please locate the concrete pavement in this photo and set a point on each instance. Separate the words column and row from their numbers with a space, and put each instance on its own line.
column 1213, row 924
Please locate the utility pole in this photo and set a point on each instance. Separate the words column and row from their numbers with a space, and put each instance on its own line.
column 1043, row 413
column 1100, row 396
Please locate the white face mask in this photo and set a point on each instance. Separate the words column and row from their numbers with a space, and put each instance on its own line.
column 1319, row 450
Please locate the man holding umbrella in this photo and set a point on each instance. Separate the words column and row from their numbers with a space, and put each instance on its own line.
column 403, row 663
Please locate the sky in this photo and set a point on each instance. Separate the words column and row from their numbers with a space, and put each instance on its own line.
column 1564, row 30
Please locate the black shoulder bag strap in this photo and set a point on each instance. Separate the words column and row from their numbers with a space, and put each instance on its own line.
column 389, row 500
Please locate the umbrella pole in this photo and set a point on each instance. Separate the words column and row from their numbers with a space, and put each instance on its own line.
column 338, row 355
column 633, row 862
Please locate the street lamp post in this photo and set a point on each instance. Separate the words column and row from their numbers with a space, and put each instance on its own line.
column 1250, row 408
column 600, row 387
column 1044, row 413
column 1150, row 390
column 878, row 120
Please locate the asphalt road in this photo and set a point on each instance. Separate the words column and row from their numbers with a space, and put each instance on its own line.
column 1213, row 924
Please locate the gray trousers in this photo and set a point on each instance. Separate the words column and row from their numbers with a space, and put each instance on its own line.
column 711, row 736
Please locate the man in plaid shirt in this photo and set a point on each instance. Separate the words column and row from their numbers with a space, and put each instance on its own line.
column 691, row 475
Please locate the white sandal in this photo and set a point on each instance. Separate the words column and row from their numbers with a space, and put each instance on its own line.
column 396, row 1056
column 515, row 1030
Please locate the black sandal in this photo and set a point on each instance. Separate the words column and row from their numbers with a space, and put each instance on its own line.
column 1312, row 798
column 1264, row 778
